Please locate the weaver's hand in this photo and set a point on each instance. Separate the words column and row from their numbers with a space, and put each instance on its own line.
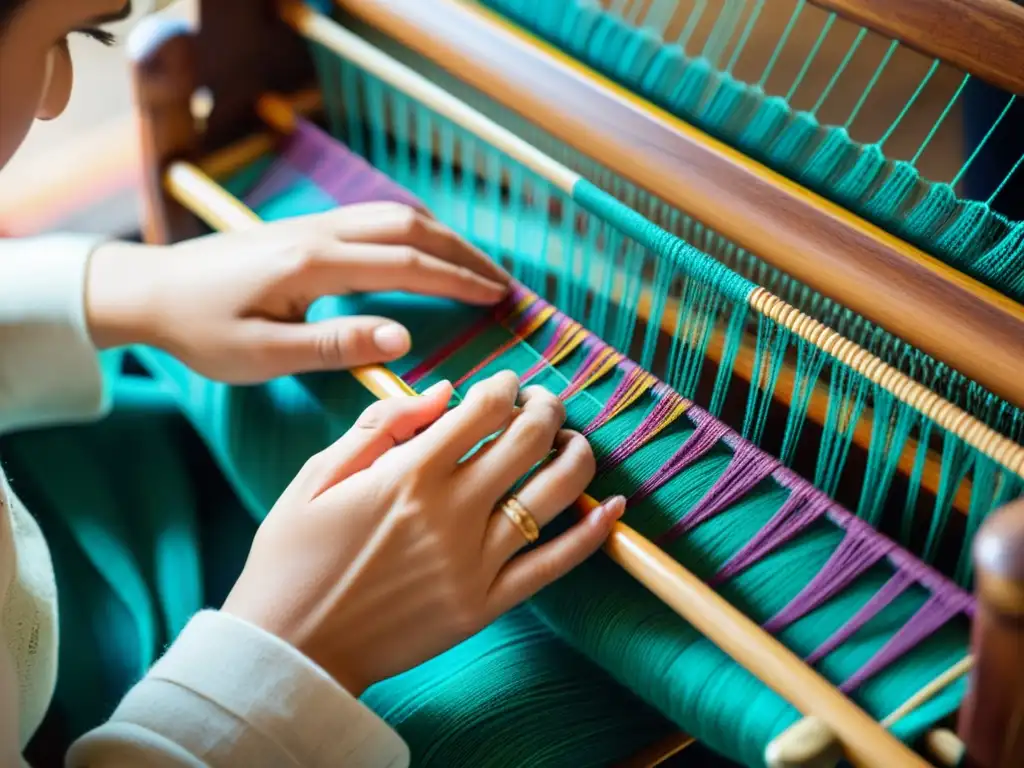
column 232, row 306
column 386, row 550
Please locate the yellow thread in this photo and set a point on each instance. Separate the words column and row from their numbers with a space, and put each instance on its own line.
column 602, row 367
column 569, row 345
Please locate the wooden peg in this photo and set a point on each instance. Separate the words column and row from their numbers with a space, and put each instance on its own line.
column 808, row 743
column 164, row 82
column 992, row 718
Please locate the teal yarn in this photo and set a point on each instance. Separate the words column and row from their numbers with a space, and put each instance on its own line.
column 692, row 85
column 796, row 141
column 729, row 106
column 526, row 697
column 664, row 72
column 924, row 221
column 862, row 176
column 831, row 157
column 700, row 89
column 638, row 53
column 889, row 201
column 767, row 122
column 676, row 251
column 966, row 234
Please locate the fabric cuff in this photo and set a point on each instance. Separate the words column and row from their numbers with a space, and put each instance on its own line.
column 49, row 368
column 275, row 690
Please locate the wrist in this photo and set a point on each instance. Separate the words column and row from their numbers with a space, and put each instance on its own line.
column 296, row 630
column 120, row 294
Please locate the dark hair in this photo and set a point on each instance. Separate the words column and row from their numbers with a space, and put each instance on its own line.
column 7, row 10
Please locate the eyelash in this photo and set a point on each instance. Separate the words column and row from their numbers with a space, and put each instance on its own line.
column 101, row 36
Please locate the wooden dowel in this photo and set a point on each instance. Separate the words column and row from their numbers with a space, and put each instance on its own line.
column 931, row 305
column 809, row 743
column 992, row 719
column 945, row 746
column 867, row 744
column 234, row 157
column 164, row 81
column 930, row 691
column 982, row 37
column 658, row 753
column 1009, row 454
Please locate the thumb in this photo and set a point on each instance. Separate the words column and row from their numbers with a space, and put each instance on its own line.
column 337, row 344
column 378, row 429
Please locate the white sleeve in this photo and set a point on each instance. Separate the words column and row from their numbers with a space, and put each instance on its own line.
column 49, row 370
column 229, row 694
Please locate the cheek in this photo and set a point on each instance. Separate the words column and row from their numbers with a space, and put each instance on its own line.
column 30, row 87
column 57, row 90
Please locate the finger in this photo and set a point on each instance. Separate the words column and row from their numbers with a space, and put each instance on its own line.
column 392, row 224
column 527, row 574
column 378, row 429
column 487, row 408
column 329, row 345
column 527, row 441
column 552, row 489
column 363, row 267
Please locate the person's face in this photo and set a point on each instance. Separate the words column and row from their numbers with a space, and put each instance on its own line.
column 35, row 66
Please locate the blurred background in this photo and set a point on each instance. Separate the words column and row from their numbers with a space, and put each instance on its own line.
column 80, row 172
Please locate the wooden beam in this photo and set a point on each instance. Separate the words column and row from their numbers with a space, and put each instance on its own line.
column 983, row 37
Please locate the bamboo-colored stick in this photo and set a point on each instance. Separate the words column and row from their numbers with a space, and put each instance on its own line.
column 867, row 744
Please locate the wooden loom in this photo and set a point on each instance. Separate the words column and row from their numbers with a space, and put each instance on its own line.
column 974, row 329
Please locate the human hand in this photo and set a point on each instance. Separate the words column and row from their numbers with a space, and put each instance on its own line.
column 232, row 306
column 386, row 550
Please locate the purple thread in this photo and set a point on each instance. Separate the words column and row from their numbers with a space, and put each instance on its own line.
column 937, row 610
column 563, row 327
column 749, row 467
column 663, row 406
column 633, row 372
column 861, row 548
column 341, row 174
column 699, row 442
column 584, row 372
column 893, row 588
column 796, row 514
column 276, row 180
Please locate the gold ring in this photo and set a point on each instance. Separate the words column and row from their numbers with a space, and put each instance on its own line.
column 521, row 518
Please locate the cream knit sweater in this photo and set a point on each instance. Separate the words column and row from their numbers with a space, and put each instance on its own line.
column 226, row 693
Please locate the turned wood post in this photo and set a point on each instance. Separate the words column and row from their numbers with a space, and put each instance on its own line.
column 992, row 718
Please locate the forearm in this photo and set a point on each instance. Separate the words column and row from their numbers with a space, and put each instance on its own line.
column 229, row 694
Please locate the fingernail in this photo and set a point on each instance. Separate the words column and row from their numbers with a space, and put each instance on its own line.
column 498, row 288
column 613, row 509
column 435, row 388
column 392, row 339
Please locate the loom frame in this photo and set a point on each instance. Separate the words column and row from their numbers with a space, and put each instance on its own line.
column 985, row 40
column 228, row 57
column 948, row 315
